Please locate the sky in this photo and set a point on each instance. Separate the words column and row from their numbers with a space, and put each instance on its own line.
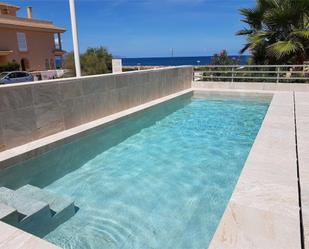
column 147, row 28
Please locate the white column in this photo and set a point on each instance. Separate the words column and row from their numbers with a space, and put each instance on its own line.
column 75, row 38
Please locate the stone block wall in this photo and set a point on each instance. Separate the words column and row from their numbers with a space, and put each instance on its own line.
column 35, row 110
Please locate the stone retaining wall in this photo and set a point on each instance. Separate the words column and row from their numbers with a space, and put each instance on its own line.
column 35, row 110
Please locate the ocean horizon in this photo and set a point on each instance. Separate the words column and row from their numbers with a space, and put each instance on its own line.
column 177, row 61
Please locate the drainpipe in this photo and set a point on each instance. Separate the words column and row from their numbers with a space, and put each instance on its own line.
column 75, row 38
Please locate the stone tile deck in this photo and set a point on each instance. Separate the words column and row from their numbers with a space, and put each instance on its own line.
column 302, row 121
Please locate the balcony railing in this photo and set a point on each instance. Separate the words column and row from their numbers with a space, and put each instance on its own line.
column 253, row 73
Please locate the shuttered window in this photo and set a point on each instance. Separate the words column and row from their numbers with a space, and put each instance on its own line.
column 22, row 42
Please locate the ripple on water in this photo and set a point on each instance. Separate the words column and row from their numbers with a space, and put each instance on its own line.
column 164, row 187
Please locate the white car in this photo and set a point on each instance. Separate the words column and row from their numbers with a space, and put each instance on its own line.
column 15, row 77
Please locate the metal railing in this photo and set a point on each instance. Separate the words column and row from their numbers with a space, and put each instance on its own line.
column 253, row 73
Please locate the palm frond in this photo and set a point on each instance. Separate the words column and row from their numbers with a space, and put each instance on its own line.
column 281, row 18
column 301, row 33
column 284, row 48
column 256, row 39
column 252, row 16
column 278, row 30
column 244, row 32
column 245, row 48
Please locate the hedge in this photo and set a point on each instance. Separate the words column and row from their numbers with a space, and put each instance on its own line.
column 11, row 66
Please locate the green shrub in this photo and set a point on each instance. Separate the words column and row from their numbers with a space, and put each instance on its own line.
column 11, row 66
column 93, row 61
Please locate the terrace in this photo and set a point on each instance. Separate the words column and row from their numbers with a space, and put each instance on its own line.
column 269, row 205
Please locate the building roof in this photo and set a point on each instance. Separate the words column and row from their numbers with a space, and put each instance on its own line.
column 29, row 24
column 9, row 6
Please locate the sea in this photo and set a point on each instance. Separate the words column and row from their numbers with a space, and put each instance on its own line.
column 177, row 61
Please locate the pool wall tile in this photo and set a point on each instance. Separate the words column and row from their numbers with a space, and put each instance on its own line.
column 32, row 111
column 15, row 98
column 46, row 93
column 71, row 89
column 18, row 126
column 49, row 119
column 73, row 112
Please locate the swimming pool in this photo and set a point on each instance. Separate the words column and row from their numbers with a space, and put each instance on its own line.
column 159, row 179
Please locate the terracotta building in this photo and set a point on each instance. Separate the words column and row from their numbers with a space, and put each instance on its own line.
column 34, row 44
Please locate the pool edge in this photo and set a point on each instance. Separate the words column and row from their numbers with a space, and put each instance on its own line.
column 218, row 241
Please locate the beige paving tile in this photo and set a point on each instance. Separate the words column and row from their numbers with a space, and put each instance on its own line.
column 302, row 120
column 269, row 86
column 246, row 227
column 268, row 196
column 285, row 87
column 305, row 212
column 301, row 87
column 249, row 86
column 261, row 172
column 13, row 238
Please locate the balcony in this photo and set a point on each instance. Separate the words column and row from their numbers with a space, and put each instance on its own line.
column 5, row 52
column 58, row 52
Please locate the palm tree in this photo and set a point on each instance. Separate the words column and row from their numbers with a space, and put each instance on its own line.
column 278, row 31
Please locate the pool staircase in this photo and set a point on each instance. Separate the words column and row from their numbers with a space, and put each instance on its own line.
column 34, row 210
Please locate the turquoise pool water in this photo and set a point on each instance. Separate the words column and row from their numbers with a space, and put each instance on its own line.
column 165, row 185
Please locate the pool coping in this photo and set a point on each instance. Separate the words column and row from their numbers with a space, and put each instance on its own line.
column 268, row 219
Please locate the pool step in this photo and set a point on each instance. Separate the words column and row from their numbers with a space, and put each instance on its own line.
column 9, row 214
column 62, row 208
column 33, row 209
column 29, row 209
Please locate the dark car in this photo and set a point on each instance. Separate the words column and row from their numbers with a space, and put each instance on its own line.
column 15, row 77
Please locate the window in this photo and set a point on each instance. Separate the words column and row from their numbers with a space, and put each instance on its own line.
column 21, row 74
column 57, row 42
column 12, row 75
column 5, row 12
column 2, row 75
column 22, row 43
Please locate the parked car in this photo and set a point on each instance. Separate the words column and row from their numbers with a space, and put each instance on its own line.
column 15, row 77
